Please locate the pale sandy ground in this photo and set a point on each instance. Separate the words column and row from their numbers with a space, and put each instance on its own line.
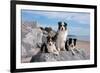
column 85, row 45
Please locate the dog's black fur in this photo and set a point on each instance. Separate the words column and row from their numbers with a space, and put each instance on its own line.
column 74, row 41
column 44, row 48
column 69, row 42
column 66, row 45
column 60, row 25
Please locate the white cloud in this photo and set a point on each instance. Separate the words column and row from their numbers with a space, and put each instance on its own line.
column 82, row 18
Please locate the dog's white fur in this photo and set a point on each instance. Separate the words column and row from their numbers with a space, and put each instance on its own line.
column 52, row 48
column 61, row 38
column 73, row 48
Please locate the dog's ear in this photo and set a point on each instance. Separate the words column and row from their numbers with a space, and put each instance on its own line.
column 65, row 25
column 59, row 24
column 75, row 41
column 70, row 41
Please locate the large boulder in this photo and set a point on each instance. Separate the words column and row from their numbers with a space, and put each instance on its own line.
column 31, row 43
column 34, row 38
column 27, row 27
column 63, row 56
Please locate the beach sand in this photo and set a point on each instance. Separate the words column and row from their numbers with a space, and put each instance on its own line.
column 85, row 45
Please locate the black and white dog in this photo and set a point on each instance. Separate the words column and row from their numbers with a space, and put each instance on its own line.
column 49, row 47
column 61, row 36
column 70, row 45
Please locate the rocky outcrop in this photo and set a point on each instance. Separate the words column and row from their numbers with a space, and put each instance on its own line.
column 31, row 39
column 63, row 56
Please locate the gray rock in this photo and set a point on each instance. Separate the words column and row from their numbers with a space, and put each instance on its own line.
column 32, row 24
column 63, row 56
column 31, row 41
column 33, row 38
column 44, row 39
column 27, row 27
column 24, row 52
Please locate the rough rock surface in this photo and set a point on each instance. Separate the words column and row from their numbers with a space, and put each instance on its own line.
column 32, row 42
column 63, row 56
column 31, row 39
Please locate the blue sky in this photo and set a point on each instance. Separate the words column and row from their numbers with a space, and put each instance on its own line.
column 78, row 23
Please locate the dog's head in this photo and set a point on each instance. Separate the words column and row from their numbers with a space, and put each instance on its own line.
column 72, row 42
column 62, row 26
column 49, row 40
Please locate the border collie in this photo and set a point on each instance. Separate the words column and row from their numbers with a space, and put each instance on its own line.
column 61, row 36
column 71, row 45
column 50, row 46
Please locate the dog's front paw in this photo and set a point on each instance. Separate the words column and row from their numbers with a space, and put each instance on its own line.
column 73, row 53
column 56, row 53
column 58, row 49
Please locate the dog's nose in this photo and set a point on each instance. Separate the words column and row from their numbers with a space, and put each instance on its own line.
column 50, row 44
column 71, row 45
column 61, row 28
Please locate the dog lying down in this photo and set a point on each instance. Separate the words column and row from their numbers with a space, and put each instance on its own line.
column 49, row 47
column 70, row 45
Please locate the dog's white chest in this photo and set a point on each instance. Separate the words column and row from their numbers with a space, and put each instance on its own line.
column 51, row 48
column 62, row 35
column 61, row 38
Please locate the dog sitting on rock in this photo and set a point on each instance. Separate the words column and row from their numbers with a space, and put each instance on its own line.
column 61, row 35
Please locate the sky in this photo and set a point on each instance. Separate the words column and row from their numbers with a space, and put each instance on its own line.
column 78, row 22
